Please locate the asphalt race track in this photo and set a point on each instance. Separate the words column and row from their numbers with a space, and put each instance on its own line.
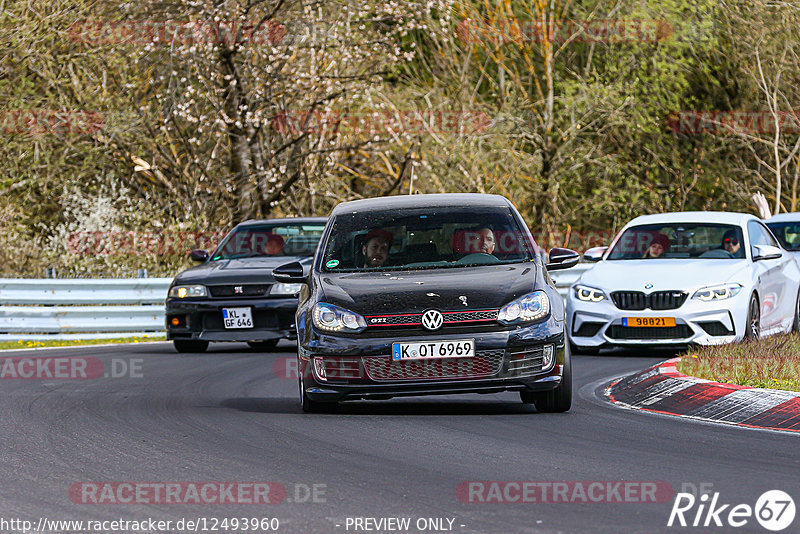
column 225, row 416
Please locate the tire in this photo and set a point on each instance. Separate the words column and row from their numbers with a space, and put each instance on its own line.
column 306, row 404
column 589, row 351
column 264, row 346
column 558, row 400
column 190, row 345
column 752, row 329
column 796, row 323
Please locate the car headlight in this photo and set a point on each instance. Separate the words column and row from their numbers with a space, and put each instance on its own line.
column 182, row 292
column 720, row 292
column 531, row 307
column 285, row 289
column 335, row 319
column 588, row 294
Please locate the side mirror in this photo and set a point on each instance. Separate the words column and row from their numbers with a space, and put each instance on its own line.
column 290, row 273
column 562, row 258
column 766, row 252
column 199, row 255
column 594, row 254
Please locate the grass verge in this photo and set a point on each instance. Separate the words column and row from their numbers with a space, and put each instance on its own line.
column 773, row 362
column 25, row 344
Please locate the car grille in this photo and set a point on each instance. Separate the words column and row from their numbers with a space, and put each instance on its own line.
column 485, row 363
column 680, row 331
column 415, row 319
column 715, row 328
column 526, row 362
column 251, row 290
column 657, row 300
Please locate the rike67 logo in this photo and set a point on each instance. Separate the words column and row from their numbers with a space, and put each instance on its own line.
column 774, row 510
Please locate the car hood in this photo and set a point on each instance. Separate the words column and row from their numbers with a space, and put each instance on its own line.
column 663, row 274
column 238, row 271
column 467, row 288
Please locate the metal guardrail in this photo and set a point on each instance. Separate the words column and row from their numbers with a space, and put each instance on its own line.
column 36, row 309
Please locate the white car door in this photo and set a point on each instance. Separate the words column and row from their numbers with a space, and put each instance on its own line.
column 777, row 306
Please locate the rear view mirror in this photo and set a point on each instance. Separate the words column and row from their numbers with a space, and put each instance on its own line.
column 562, row 258
column 199, row 255
column 290, row 273
column 766, row 252
column 594, row 254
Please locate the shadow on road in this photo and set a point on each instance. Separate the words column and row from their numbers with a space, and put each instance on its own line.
column 399, row 407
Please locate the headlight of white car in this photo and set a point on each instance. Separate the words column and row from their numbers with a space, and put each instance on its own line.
column 589, row 294
column 720, row 292
column 335, row 319
column 182, row 292
column 531, row 307
column 285, row 289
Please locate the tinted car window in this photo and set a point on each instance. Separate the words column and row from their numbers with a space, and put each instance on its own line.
column 759, row 235
column 270, row 240
column 678, row 240
column 788, row 233
column 424, row 239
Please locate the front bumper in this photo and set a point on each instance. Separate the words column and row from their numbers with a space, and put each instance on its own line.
column 201, row 319
column 597, row 324
column 346, row 368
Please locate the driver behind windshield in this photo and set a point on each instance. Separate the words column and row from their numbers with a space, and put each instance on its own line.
column 730, row 242
column 376, row 248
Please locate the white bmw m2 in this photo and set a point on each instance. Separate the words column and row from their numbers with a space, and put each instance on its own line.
column 679, row 278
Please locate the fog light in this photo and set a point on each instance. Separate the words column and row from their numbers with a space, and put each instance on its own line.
column 319, row 368
column 175, row 321
column 547, row 356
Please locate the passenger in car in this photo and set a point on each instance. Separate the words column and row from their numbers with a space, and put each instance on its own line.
column 658, row 246
column 274, row 245
column 376, row 248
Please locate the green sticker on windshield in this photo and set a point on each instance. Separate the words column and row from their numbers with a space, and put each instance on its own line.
column 331, row 264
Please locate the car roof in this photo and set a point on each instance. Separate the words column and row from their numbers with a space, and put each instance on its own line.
column 722, row 217
column 422, row 201
column 785, row 217
column 285, row 220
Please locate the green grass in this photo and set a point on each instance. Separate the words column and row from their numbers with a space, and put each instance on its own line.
column 24, row 344
column 773, row 362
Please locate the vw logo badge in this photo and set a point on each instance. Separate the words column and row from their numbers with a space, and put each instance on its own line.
column 648, row 286
column 432, row 320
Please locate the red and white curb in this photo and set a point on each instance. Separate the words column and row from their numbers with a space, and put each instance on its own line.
column 662, row 389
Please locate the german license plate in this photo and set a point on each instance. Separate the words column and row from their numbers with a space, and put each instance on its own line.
column 455, row 348
column 237, row 317
column 648, row 321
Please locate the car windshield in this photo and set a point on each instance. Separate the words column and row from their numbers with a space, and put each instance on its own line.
column 270, row 240
column 788, row 233
column 427, row 238
column 679, row 240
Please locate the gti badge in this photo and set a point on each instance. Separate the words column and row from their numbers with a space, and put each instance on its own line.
column 648, row 286
column 432, row 319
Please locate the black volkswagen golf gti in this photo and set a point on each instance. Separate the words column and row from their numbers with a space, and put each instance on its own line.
column 430, row 294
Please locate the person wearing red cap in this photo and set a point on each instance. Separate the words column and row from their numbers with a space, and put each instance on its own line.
column 376, row 248
column 658, row 246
